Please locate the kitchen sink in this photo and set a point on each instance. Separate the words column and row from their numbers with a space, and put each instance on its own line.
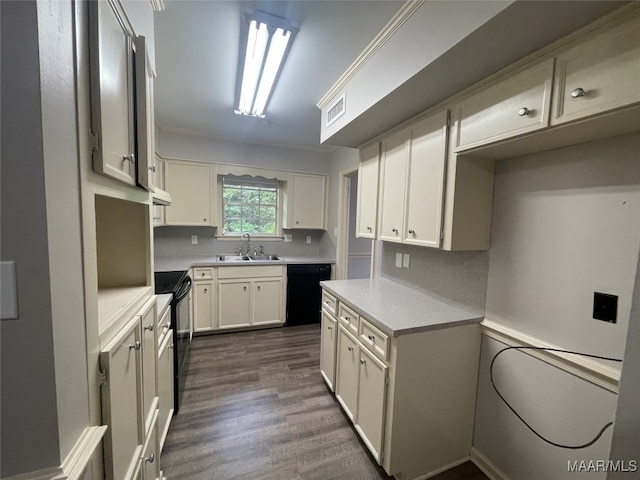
column 233, row 258
column 265, row 257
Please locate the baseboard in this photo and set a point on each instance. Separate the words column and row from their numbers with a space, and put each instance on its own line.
column 487, row 466
column 442, row 469
column 76, row 463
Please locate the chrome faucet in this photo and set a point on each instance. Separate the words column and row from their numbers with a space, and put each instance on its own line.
column 248, row 245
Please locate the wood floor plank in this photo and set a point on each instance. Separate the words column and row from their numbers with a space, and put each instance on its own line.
column 255, row 408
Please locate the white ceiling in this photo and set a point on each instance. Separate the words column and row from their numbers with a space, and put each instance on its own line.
column 197, row 55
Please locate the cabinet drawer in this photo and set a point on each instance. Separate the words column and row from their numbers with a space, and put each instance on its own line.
column 514, row 106
column 373, row 338
column 348, row 318
column 164, row 325
column 598, row 75
column 329, row 303
column 202, row 273
column 251, row 272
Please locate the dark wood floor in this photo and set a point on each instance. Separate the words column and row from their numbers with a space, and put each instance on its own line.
column 255, row 407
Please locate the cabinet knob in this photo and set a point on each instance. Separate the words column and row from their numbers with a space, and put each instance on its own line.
column 204, row 219
column 369, row 228
column 129, row 157
column 578, row 92
column 149, row 327
column 348, row 319
column 350, row 349
column 135, row 345
column 153, row 168
column 411, row 231
column 150, row 458
column 371, row 337
column 362, row 362
column 524, row 112
column 244, row 288
column 205, row 290
column 167, row 325
column 394, row 230
column 258, row 287
column 329, row 327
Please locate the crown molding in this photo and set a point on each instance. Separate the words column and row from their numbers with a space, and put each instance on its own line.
column 401, row 16
column 203, row 134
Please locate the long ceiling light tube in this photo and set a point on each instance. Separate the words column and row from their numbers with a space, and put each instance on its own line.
column 268, row 41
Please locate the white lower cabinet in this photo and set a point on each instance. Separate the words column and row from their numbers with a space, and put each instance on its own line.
column 328, row 338
column 165, row 387
column 347, row 375
column 234, row 303
column 150, row 458
column 129, row 395
column 411, row 397
column 203, row 306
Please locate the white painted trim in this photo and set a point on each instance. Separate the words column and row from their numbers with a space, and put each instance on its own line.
column 197, row 133
column 401, row 16
column 46, row 474
column 76, row 463
column 487, row 466
column 590, row 370
column 442, row 469
column 342, row 242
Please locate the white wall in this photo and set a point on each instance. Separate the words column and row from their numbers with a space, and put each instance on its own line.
column 28, row 434
column 565, row 224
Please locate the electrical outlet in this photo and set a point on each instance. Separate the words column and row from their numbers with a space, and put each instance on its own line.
column 405, row 260
column 288, row 237
column 399, row 260
column 308, row 238
column 194, row 239
column 605, row 307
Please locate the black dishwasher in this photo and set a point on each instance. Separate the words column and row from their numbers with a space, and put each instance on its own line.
column 304, row 294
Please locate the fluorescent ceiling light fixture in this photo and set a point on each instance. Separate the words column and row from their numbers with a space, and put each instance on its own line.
column 266, row 40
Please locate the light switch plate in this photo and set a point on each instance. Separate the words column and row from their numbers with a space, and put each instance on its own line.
column 9, row 298
column 194, row 239
column 405, row 260
column 308, row 238
column 288, row 237
column 399, row 260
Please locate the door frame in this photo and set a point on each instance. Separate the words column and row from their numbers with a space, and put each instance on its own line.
column 342, row 241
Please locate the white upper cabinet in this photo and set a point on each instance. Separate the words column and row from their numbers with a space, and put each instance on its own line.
column 425, row 181
column 367, row 212
column 598, row 75
column 516, row 105
column 412, row 182
column 392, row 183
column 306, row 200
column 192, row 191
column 112, row 121
column 145, row 146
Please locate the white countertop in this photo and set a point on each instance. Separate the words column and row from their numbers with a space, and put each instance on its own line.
column 180, row 262
column 397, row 309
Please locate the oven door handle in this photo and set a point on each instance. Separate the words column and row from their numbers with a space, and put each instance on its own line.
column 184, row 290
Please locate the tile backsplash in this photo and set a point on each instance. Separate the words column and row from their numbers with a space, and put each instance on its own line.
column 177, row 241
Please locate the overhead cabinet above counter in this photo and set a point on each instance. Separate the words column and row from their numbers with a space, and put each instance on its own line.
column 434, row 175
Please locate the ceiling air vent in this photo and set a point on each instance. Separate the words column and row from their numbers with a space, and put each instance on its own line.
column 336, row 109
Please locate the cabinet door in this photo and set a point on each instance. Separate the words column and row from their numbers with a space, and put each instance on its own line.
column 165, row 387
column 112, row 120
column 598, row 75
column 120, row 360
column 393, row 183
column 150, row 459
column 308, row 200
column 191, row 188
column 267, row 301
column 347, row 372
column 370, row 414
column 203, row 306
column 368, row 192
column 328, row 337
column 149, row 359
column 234, row 304
column 145, row 147
column 517, row 105
column 425, row 184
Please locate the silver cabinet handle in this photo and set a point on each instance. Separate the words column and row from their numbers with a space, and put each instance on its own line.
column 578, row 92
column 135, row 345
column 394, row 230
column 362, row 362
column 205, row 290
column 348, row 319
column 149, row 327
column 370, row 337
column 524, row 111
column 350, row 349
column 369, row 228
column 129, row 157
column 412, row 231
column 167, row 325
column 153, row 168
column 150, row 458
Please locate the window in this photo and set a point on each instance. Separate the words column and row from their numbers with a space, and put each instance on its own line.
column 249, row 206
